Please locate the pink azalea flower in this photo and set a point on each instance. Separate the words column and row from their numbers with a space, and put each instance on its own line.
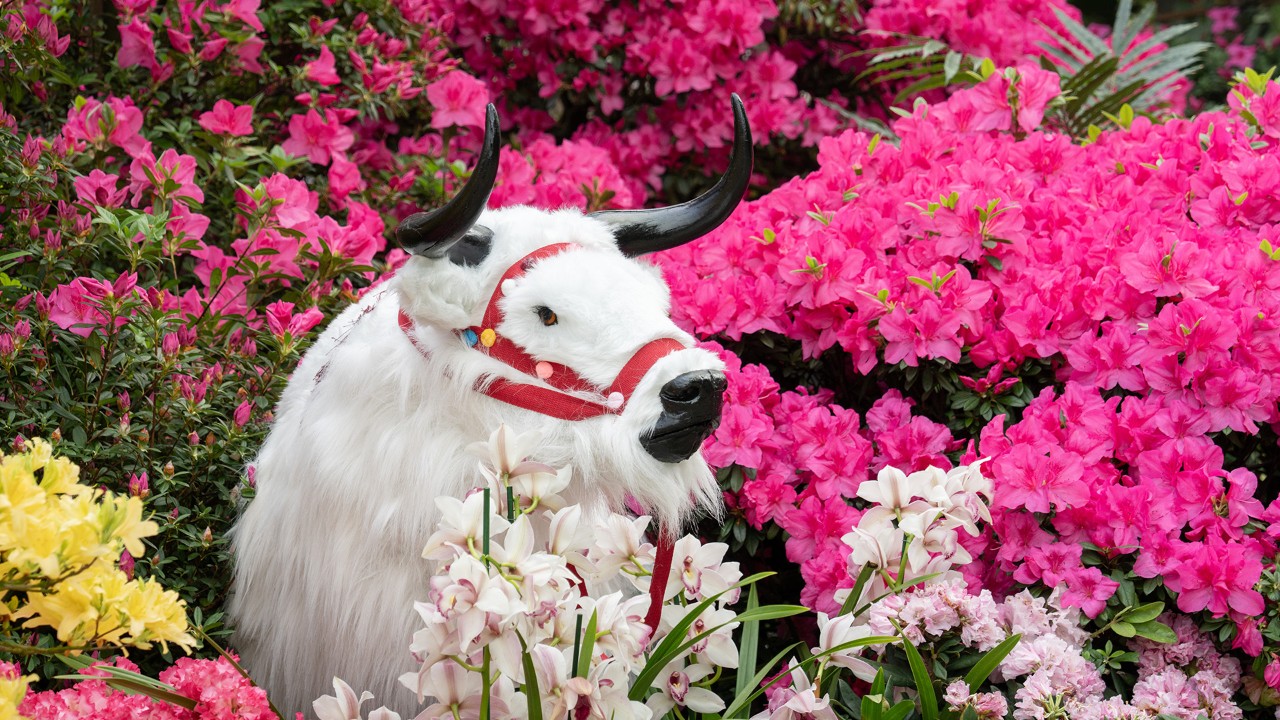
column 227, row 118
column 1027, row 478
column 1089, row 590
column 282, row 321
column 1217, row 576
column 457, row 99
column 137, row 46
column 317, row 137
column 322, row 70
column 99, row 189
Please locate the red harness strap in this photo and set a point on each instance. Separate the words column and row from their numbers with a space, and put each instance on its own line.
column 658, row 583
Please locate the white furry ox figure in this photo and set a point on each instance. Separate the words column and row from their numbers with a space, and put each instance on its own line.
column 539, row 320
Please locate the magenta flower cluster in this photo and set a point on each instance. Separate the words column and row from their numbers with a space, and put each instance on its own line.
column 1136, row 269
column 217, row 689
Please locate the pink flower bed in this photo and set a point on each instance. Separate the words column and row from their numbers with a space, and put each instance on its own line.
column 1122, row 279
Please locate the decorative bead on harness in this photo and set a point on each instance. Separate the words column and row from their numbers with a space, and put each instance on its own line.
column 556, row 400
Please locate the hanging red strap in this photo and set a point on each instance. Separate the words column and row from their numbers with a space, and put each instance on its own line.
column 658, row 582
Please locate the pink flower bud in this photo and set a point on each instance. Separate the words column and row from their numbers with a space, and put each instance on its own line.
column 19, row 444
column 138, row 485
column 169, row 345
column 242, row 414
column 7, row 348
column 126, row 564
column 44, row 305
column 30, row 154
column 251, row 476
column 22, row 329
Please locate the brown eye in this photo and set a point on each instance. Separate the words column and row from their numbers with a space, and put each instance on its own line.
column 547, row 317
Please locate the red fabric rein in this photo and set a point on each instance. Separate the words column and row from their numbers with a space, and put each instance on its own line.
column 557, row 403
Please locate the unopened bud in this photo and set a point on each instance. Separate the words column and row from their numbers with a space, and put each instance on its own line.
column 167, row 470
column 138, row 485
column 56, row 435
column 207, row 537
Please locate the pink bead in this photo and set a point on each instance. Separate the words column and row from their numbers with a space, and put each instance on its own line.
column 543, row 369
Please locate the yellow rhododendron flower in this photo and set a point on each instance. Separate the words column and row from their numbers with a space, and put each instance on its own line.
column 13, row 688
column 60, row 543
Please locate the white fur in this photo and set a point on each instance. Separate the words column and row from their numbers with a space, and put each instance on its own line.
column 369, row 432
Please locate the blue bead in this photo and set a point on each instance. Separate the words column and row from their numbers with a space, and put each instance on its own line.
column 470, row 337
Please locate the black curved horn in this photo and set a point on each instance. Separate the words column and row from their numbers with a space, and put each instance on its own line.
column 431, row 234
column 645, row 231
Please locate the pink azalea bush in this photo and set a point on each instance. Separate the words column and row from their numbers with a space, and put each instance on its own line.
column 1098, row 319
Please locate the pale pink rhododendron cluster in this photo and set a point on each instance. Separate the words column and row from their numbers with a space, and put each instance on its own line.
column 1134, row 276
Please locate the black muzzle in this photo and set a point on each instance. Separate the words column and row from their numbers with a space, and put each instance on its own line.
column 690, row 413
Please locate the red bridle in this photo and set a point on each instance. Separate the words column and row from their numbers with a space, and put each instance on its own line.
column 556, row 400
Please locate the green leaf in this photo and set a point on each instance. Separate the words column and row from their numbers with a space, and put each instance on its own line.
column 873, row 709
column 748, row 646
column 924, row 686
column 1123, row 629
column 1143, row 613
column 989, row 662
column 951, row 65
column 855, row 594
column 742, row 701
column 531, row 692
column 588, row 646
column 669, row 647
column 900, row 711
column 1156, row 632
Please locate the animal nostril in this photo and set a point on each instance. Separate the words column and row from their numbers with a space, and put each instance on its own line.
column 693, row 389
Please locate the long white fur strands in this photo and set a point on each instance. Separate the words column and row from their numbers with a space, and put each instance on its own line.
column 370, row 431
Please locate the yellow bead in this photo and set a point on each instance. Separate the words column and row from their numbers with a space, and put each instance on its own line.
column 488, row 337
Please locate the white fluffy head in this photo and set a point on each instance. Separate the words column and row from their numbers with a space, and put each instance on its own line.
column 607, row 306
